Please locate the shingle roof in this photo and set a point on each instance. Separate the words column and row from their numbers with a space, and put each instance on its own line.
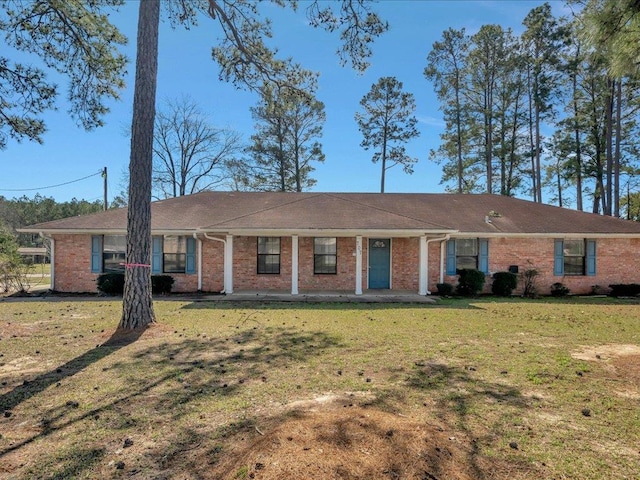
column 264, row 211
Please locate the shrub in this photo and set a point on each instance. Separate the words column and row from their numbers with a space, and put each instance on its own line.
column 624, row 290
column 504, row 283
column 530, row 289
column 161, row 284
column 559, row 290
column 444, row 289
column 470, row 282
column 113, row 283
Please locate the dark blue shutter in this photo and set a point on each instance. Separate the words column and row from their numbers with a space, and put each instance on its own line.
column 191, row 255
column 483, row 255
column 96, row 253
column 558, row 257
column 591, row 257
column 451, row 257
column 156, row 255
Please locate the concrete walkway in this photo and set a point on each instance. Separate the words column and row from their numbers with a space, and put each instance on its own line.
column 370, row 296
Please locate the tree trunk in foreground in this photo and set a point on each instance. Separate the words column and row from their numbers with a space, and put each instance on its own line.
column 137, row 305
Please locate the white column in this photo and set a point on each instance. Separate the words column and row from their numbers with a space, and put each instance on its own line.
column 294, row 265
column 52, row 267
column 228, row 264
column 199, row 267
column 359, row 265
column 423, row 262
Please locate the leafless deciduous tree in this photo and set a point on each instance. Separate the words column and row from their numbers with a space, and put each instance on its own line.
column 190, row 154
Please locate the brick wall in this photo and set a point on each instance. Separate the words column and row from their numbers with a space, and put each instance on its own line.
column 72, row 264
column 617, row 262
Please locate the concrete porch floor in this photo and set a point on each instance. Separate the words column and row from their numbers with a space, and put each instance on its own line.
column 368, row 296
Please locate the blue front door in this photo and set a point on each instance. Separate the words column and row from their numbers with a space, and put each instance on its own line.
column 379, row 262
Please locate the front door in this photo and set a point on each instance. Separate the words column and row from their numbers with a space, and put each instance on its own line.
column 379, row 262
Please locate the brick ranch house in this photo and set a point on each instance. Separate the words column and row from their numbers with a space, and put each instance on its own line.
column 352, row 242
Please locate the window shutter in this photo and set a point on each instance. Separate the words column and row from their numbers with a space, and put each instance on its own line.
column 558, row 257
column 191, row 255
column 96, row 254
column 591, row 257
column 156, row 254
column 483, row 255
column 451, row 257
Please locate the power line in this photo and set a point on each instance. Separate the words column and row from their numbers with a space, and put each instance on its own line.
column 50, row 186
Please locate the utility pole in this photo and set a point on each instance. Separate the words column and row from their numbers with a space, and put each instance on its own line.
column 104, row 176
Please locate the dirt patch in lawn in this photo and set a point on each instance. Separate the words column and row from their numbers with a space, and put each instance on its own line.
column 332, row 437
column 622, row 361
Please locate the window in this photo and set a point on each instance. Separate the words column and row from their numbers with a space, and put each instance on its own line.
column 467, row 253
column 171, row 254
column 269, row 255
column 575, row 257
column 324, row 255
column 114, row 249
column 174, row 254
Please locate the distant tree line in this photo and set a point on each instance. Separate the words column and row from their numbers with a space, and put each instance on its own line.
column 554, row 109
column 23, row 211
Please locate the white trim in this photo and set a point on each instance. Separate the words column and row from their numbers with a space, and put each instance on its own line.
column 337, row 233
column 423, row 266
column 358, row 265
column 52, row 266
column 199, row 260
column 228, row 264
column 371, row 233
column 294, row 264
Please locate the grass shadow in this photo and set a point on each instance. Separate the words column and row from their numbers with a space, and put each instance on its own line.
column 30, row 388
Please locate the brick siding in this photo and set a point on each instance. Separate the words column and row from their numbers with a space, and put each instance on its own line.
column 617, row 262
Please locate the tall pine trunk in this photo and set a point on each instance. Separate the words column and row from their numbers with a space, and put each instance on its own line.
column 616, row 158
column 137, row 305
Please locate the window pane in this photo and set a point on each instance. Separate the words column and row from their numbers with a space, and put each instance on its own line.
column 174, row 262
column 574, row 248
column 113, row 262
column 114, row 248
column 324, row 264
column 574, row 265
column 174, row 244
column 114, row 243
column 466, row 263
column 268, row 263
column 467, row 246
column 269, row 245
column 324, row 245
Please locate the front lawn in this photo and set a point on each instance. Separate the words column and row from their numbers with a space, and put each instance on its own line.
column 464, row 389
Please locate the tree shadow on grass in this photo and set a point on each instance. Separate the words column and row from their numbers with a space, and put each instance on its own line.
column 177, row 375
column 457, row 390
column 30, row 388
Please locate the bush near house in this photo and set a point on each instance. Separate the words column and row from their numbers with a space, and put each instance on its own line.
column 559, row 289
column 444, row 289
column 470, row 282
column 504, row 283
column 624, row 290
column 113, row 283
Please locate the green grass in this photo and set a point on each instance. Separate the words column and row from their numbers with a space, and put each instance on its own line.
column 495, row 371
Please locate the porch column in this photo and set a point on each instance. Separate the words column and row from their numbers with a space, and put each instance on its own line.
column 52, row 265
column 294, row 264
column 359, row 265
column 199, row 267
column 423, row 262
column 228, row 264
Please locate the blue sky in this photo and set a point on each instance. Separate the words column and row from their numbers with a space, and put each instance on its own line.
column 186, row 68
